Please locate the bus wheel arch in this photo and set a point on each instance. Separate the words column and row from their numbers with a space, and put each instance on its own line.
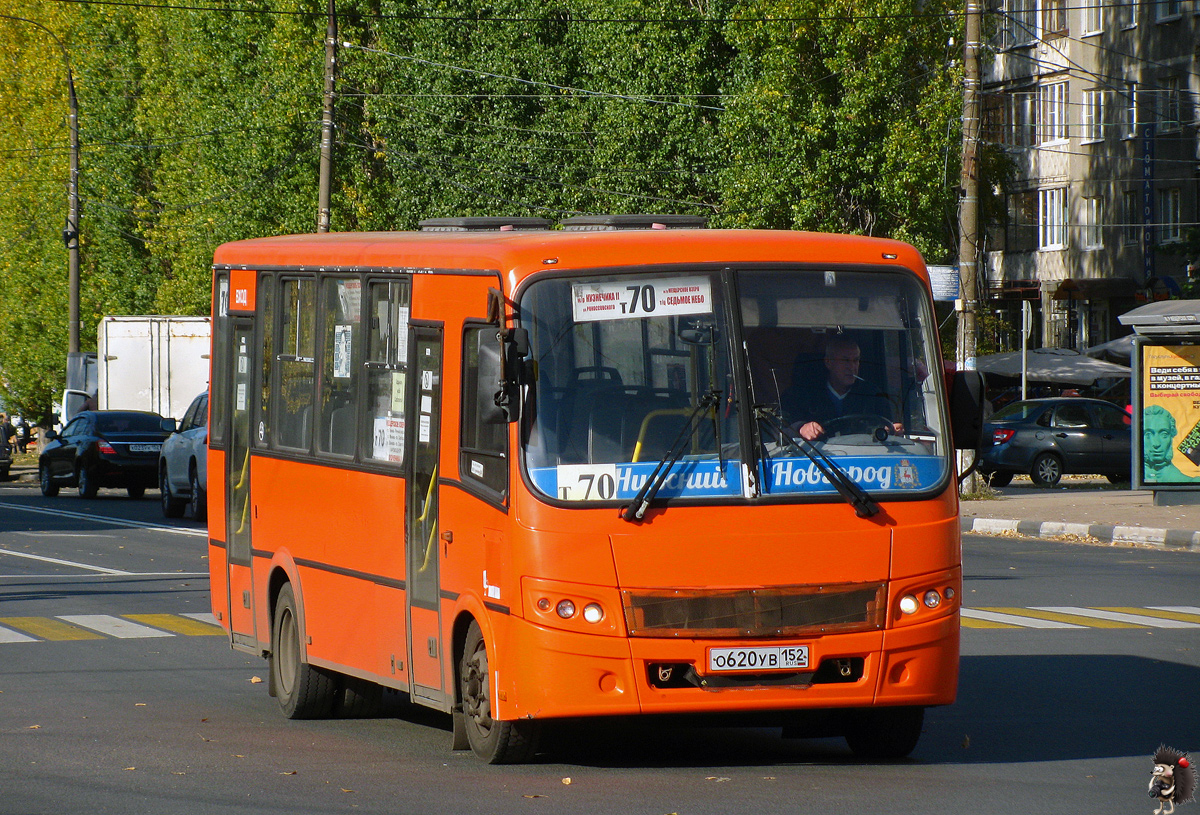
column 303, row 691
column 493, row 740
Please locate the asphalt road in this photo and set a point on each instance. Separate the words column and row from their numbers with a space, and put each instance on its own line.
column 153, row 713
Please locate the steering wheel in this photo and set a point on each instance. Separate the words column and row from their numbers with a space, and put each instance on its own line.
column 853, row 423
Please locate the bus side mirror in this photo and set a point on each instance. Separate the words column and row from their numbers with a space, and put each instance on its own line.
column 514, row 348
column 966, row 409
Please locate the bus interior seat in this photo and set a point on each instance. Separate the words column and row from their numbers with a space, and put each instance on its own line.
column 615, row 419
column 341, row 431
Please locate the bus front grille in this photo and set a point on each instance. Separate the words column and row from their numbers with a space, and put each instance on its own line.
column 778, row 611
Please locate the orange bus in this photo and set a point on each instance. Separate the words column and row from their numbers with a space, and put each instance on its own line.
column 523, row 472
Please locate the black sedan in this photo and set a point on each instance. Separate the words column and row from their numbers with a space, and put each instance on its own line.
column 104, row 448
column 1049, row 437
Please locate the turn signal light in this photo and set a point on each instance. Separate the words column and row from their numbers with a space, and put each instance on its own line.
column 1001, row 435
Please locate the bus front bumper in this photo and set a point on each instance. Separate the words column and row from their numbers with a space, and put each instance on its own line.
column 567, row 674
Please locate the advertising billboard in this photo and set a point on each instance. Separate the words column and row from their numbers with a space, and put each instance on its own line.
column 1169, row 408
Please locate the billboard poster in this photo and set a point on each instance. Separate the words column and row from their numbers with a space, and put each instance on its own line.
column 1170, row 419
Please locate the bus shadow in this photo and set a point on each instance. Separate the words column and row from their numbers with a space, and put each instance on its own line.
column 1010, row 709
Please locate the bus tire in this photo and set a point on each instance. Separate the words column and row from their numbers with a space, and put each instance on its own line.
column 359, row 699
column 885, row 733
column 302, row 690
column 494, row 741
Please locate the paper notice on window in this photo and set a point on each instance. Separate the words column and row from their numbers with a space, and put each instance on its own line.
column 350, row 299
column 341, row 351
column 397, row 392
column 388, row 439
column 641, row 298
column 241, row 396
column 423, row 429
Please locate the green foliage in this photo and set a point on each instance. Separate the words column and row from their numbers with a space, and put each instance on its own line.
column 200, row 127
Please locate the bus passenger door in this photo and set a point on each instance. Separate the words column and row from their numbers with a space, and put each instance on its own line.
column 425, row 657
column 237, row 484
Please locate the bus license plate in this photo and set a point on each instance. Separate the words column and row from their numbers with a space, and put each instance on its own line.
column 772, row 658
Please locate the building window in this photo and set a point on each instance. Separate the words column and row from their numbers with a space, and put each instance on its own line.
column 1169, row 230
column 1093, row 115
column 1130, row 217
column 1130, row 102
column 1093, row 17
column 1166, row 9
column 1168, row 104
column 1054, row 18
column 1054, row 112
column 1022, row 222
column 1093, row 220
column 1127, row 13
column 1052, row 218
column 1020, row 22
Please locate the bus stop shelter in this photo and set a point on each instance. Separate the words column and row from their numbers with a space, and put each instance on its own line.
column 1166, row 399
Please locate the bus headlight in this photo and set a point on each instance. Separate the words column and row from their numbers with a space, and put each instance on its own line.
column 593, row 613
column 908, row 604
column 565, row 609
column 932, row 599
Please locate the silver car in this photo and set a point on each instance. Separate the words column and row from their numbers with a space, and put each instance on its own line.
column 183, row 464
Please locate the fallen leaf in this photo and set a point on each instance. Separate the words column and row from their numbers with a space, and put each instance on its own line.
column 717, row 778
column 567, row 781
column 131, row 768
column 35, row 727
column 346, row 790
column 256, row 680
column 139, row 704
column 533, row 796
column 289, row 772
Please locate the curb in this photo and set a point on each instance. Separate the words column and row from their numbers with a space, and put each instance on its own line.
column 1173, row 539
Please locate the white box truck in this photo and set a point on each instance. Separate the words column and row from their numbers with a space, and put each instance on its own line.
column 157, row 363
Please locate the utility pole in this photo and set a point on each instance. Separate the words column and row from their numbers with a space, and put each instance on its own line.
column 968, row 208
column 71, row 227
column 326, row 179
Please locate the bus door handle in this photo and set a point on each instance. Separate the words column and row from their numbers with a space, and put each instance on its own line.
column 447, row 538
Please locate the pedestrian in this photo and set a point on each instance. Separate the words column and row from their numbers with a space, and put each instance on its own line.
column 22, row 433
column 7, row 432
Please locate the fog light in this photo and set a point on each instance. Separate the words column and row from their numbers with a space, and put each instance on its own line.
column 543, row 604
column 593, row 613
column 566, row 609
column 932, row 599
column 908, row 604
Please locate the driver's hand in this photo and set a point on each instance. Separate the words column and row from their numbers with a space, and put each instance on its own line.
column 898, row 428
column 811, row 431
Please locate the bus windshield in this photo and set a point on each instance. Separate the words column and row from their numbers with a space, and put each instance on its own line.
column 637, row 372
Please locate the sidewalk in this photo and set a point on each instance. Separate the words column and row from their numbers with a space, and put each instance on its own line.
column 1083, row 507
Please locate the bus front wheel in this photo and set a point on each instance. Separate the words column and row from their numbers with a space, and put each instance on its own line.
column 496, row 742
column 302, row 690
column 885, row 732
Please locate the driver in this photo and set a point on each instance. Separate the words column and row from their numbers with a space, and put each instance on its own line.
column 845, row 393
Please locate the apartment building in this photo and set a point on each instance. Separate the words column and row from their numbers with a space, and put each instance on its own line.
column 1094, row 104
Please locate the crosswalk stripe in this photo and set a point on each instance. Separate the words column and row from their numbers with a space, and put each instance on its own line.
column 113, row 626
column 1100, row 614
column 1162, row 613
column 48, row 629
column 970, row 621
column 1077, row 616
column 1018, row 620
column 204, row 617
column 1179, row 609
column 177, row 624
column 8, row 635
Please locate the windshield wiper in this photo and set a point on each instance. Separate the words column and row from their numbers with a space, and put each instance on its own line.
column 641, row 502
column 864, row 505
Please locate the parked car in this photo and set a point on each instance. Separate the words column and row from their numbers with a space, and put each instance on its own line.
column 104, row 448
column 183, row 464
column 1049, row 437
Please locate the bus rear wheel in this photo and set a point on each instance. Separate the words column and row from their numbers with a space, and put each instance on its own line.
column 302, row 690
column 496, row 742
column 886, row 732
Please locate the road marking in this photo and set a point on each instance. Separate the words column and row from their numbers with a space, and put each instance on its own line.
column 1015, row 620
column 49, row 629
column 102, row 519
column 1188, row 610
column 1143, row 621
column 113, row 626
column 969, row 620
column 8, row 635
column 58, row 562
column 1077, row 616
column 177, row 624
column 1169, row 613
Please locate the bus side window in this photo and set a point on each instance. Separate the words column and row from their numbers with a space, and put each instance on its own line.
column 296, row 351
column 386, row 311
column 483, row 441
column 341, row 325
